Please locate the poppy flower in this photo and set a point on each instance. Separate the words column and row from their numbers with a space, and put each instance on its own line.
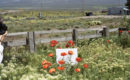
column 45, row 66
column 66, row 45
column 52, row 45
column 43, row 62
column 69, row 44
column 121, row 31
column 129, row 31
column 85, row 66
column 63, row 54
column 78, row 59
column 108, row 41
column 61, row 62
column 70, row 52
column 59, row 48
column 77, row 69
column 50, row 55
column 60, row 68
column 53, row 42
column 49, row 64
column 52, row 70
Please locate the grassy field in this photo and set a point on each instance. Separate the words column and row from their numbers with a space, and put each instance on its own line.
column 29, row 21
column 101, row 58
column 105, row 60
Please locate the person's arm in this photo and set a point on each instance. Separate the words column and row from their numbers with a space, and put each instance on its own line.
column 2, row 38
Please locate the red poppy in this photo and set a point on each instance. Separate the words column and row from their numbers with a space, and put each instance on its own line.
column 61, row 62
column 63, row 54
column 77, row 69
column 52, row 45
column 59, row 48
column 121, row 31
column 85, row 66
column 45, row 66
column 108, row 41
column 52, row 70
column 69, row 44
column 50, row 55
column 78, row 59
column 49, row 64
column 43, row 62
column 60, row 68
column 70, row 52
column 129, row 31
column 53, row 42
column 66, row 45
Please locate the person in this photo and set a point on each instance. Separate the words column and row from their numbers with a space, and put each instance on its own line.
column 3, row 33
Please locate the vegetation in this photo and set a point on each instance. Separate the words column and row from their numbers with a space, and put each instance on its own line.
column 98, row 59
column 104, row 58
column 29, row 21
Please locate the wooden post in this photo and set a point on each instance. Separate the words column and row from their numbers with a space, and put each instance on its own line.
column 31, row 41
column 105, row 32
column 75, row 36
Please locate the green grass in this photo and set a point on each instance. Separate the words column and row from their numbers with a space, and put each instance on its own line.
column 19, row 21
column 105, row 61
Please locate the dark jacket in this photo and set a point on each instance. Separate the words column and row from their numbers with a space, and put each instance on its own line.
column 3, row 28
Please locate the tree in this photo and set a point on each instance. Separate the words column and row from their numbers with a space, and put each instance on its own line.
column 128, row 4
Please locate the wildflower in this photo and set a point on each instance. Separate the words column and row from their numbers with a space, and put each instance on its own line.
column 129, row 31
column 85, row 66
column 43, row 62
column 60, row 68
column 108, row 41
column 45, row 66
column 53, row 43
column 59, row 48
column 50, row 55
column 61, row 62
column 78, row 59
column 66, row 45
column 52, row 70
column 49, row 64
column 69, row 44
column 121, row 31
column 77, row 69
column 70, row 52
column 63, row 54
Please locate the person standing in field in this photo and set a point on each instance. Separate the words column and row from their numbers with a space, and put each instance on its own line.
column 3, row 33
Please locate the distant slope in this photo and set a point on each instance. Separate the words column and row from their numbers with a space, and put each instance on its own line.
column 60, row 4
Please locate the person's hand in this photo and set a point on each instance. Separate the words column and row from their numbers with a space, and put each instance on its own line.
column 5, row 33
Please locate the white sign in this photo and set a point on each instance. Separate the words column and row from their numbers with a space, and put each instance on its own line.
column 69, row 59
column 1, row 53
